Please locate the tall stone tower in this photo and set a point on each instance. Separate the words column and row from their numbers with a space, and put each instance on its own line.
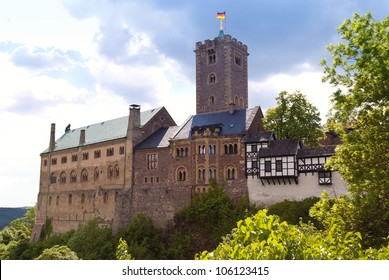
column 221, row 74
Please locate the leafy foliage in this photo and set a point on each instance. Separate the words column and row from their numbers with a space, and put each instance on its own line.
column 360, row 71
column 92, row 242
column 58, row 252
column 264, row 237
column 294, row 117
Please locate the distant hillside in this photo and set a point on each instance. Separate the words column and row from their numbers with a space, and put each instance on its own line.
column 9, row 214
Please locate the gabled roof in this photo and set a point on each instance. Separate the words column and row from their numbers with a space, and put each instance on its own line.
column 262, row 136
column 285, row 147
column 100, row 132
column 159, row 139
column 229, row 124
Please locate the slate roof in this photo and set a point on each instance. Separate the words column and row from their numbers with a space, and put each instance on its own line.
column 100, row 132
column 285, row 147
column 161, row 138
column 260, row 136
column 230, row 124
column 316, row 151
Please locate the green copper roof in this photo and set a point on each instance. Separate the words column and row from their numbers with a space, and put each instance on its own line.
column 100, row 132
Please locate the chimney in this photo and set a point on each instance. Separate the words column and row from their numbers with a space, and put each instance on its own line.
column 231, row 108
column 133, row 130
column 82, row 137
column 52, row 138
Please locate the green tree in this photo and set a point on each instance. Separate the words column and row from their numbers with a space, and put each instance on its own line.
column 58, row 252
column 360, row 72
column 143, row 240
column 266, row 237
column 294, row 117
column 14, row 238
column 92, row 242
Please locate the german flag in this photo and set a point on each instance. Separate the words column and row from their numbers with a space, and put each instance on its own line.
column 221, row 15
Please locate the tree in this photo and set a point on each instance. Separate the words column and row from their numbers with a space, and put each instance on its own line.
column 294, row 117
column 92, row 242
column 58, row 252
column 360, row 71
column 266, row 237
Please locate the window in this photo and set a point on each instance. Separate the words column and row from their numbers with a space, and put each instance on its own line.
column 84, row 175
column 70, row 199
column 238, row 60
column 54, row 161
column 117, row 173
column 231, row 149
column 325, row 178
column 53, row 178
column 121, row 150
column 211, row 100
column 62, row 178
column 145, row 180
column 278, row 165
column 74, row 157
column 211, row 78
column 201, row 174
column 201, row 149
column 82, row 198
column 73, row 177
column 96, row 174
column 267, row 166
column 152, row 161
column 254, row 148
column 182, row 152
column 254, row 164
column 49, row 200
column 231, row 173
column 45, row 162
column 110, row 152
column 64, row 159
column 97, row 154
column 212, row 173
column 110, row 172
column 212, row 149
column 181, row 174
column 211, row 56
column 85, row 156
column 157, row 179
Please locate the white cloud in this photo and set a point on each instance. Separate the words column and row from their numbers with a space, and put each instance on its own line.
column 307, row 82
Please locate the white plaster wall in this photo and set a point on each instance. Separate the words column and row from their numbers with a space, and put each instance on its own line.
column 308, row 186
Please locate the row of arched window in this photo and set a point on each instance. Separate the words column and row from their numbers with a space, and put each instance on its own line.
column 69, row 198
column 201, row 173
column 112, row 172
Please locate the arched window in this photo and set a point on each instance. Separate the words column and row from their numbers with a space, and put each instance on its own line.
column 110, row 172
column 177, row 152
column 96, row 174
column 230, row 149
column 53, row 178
column 212, row 173
column 70, row 198
column 117, row 173
column 201, row 173
column 241, row 103
column 230, row 173
column 181, row 174
column 225, row 149
column 84, row 175
column 212, row 78
column 49, row 200
column 73, row 176
column 62, row 178
column 82, row 198
column 211, row 100
column 235, row 148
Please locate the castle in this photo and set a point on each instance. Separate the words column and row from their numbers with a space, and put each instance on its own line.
column 146, row 163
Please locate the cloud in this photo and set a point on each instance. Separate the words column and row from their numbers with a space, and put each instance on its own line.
column 40, row 59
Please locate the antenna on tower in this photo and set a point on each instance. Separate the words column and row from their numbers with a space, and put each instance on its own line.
column 221, row 17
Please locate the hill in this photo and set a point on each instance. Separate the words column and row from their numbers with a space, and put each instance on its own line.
column 7, row 215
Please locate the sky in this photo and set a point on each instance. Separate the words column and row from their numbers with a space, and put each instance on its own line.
column 81, row 62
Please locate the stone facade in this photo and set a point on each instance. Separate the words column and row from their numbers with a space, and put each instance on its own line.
column 145, row 163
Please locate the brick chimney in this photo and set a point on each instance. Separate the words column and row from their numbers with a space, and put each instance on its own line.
column 82, row 137
column 52, row 138
column 133, row 130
